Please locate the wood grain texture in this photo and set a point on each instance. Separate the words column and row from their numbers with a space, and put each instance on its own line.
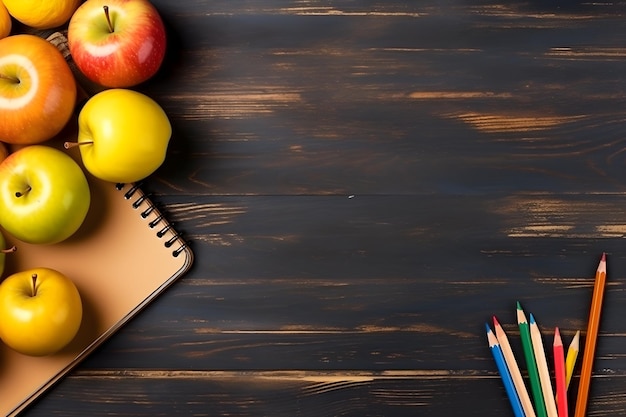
column 286, row 394
column 364, row 184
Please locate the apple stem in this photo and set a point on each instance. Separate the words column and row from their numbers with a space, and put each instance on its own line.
column 9, row 250
column 106, row 14
column 12, row 79
column 22, row 193
column 34, row 291
column 69, row 145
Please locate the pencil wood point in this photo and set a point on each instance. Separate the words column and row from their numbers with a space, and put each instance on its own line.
column 493, row 340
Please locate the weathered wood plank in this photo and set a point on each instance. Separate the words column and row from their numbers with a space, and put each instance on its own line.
column 490, row 102
column 386, row 279
column 302, row 393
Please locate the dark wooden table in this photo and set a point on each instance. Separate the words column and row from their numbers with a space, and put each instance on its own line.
column 364, row 184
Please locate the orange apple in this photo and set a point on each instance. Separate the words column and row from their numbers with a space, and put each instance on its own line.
column 6, row 24
column 37, row 90
column 4, row 151
column 40, row 311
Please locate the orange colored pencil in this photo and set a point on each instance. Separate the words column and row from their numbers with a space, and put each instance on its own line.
column 559, row 374
column 590, row 339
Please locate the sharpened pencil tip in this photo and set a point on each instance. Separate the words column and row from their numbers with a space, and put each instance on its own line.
column 487, row 327
column 531, row 318
column 495, row 321
column 575, row 343
column 519, row 306
column 603, row 259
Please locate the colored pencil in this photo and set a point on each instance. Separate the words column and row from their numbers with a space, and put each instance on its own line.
column 542, row 367
column 531, row 364
column 570, row 359
column 498, row 356
column 590, row 339
column 559, row 374
column 516, row 375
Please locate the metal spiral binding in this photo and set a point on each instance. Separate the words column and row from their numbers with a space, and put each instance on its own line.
column 143, row 197
column 156, row 221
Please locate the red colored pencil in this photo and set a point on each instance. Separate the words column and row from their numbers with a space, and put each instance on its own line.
column 559, row 374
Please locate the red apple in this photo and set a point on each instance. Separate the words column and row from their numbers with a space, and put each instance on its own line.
column 117, row 43
column 37, row 90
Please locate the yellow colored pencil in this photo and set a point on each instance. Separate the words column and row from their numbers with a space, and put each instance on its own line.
column 570, row 360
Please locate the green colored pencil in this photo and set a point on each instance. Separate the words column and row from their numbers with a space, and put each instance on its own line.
column 533, row 373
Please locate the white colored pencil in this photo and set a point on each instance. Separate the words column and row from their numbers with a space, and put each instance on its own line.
column 542, row 367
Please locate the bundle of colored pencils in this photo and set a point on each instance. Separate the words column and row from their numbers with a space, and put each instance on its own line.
column 547, row 401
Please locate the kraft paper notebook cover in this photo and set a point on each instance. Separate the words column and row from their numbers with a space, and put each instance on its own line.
column 124, row 255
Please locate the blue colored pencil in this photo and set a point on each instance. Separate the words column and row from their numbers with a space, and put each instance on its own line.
column 507, row 380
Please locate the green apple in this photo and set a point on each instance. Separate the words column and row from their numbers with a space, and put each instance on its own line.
column 44, row 195
column 40, row 311
column 123, row 135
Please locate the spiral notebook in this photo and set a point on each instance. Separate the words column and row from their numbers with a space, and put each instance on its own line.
column 124, row 256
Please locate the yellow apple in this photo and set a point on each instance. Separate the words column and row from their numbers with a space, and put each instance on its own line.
column 5, row 21
column 42, row 14
column 37, row 90
column 40, row 311
column 123, row 135
column 44, row 195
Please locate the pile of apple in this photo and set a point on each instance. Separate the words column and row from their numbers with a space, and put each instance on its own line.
column 123, row 137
